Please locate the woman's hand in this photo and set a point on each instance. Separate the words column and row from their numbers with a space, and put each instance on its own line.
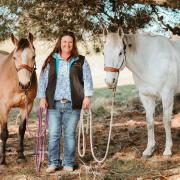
column 43, row 103
column 86, row 102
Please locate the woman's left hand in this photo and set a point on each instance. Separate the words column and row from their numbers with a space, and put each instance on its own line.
column 86, row 102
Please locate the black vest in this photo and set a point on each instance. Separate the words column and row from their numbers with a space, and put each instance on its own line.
column 76, row 83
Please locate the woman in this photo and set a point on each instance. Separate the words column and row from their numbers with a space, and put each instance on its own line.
column 65, row 86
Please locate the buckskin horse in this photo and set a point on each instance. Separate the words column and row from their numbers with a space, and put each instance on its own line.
column 155, row 65
column 18, row 83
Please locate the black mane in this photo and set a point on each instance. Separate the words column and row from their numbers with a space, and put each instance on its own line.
column 23, row 43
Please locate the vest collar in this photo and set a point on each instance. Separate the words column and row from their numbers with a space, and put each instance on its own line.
column 57, row 56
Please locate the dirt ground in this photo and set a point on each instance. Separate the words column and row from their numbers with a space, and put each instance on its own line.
column 128, row 140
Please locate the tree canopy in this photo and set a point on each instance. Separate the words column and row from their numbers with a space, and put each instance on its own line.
column 47, row 18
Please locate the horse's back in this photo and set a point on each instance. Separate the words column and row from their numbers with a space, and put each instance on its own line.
column 157, row 42
column 158, row 63
column 177, row 45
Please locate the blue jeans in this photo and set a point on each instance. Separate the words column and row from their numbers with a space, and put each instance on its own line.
column 62, row 116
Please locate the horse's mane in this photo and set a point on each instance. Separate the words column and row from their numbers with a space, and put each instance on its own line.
column 130, row 41
column 23, row 43
column 4, row 52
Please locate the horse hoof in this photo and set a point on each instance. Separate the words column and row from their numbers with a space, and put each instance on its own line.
column 168, row 156
column 21, row 160
column 167, row 153
column 145, row 157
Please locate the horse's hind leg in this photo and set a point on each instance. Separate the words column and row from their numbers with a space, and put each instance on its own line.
column 149, row 105
column 4, row 137
column 167, row 101
column 22, row 129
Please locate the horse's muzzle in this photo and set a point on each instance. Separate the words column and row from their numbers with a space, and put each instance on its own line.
column 26, row 86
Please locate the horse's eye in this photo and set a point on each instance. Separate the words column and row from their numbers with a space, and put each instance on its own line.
column 14, row 58
column 120, row 53
column 33, row 57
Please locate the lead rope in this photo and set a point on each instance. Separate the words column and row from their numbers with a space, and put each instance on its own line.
column 89, row 122
column 27, row 121
column 40, row 140
column 40, row 135
column 81, row 131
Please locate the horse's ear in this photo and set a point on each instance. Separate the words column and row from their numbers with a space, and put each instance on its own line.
column 31, row 38
column 120, row 31
column 14, row 39
column 105, row 31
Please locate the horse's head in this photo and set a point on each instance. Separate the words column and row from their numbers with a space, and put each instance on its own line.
column 114, row 56
column 24, row 59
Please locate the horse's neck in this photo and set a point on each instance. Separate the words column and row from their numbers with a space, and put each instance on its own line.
column 134, row 63
column 8, row 67
column 149, row 57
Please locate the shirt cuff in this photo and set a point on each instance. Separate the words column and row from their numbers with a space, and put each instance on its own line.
column 41, row 95
column 88, row 93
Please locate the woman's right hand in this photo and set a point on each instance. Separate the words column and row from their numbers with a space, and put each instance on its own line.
column 43, row 103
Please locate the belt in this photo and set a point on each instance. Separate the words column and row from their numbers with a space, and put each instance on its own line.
column 63, row 101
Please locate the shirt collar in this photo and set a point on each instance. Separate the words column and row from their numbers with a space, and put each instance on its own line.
column 58, row 56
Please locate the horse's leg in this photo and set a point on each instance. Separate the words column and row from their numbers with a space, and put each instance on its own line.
column 4, row 137
column 149, row 105
column 22, row 129
column 167, row 101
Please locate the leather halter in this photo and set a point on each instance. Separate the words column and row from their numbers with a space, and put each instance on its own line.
column 31, row 70
column 25, row 66
column 113, row 69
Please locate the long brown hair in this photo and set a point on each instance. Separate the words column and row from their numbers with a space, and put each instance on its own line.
column 57, row 47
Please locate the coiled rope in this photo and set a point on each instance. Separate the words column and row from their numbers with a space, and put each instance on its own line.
column 89, row 125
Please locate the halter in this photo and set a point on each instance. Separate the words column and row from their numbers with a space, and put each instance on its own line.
column 28, row 68
column 113, row 69
column 25, row 66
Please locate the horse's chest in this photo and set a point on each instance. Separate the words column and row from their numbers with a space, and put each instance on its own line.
column 18, row 100
column 148, row 90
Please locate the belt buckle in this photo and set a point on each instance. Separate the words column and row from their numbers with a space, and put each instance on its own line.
column 62, row 101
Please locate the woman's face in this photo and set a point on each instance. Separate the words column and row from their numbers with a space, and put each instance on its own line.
column 66, row 44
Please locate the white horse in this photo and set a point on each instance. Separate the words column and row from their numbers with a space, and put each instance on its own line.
column 155, row 65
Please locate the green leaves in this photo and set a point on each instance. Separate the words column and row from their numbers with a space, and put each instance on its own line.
column 46, row 19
